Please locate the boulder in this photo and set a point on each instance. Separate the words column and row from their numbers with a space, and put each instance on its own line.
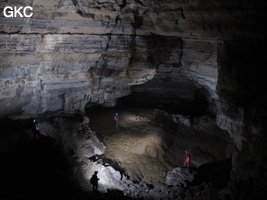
column 180, row 176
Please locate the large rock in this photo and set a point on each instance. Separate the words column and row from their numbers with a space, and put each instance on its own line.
column 180, row 176
column 76, row 137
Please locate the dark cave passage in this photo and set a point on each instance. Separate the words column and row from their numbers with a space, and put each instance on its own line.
column 195, row 108
column 36, row 169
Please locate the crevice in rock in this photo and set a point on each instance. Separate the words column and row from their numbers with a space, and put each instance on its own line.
column 75, row 2
column 124, row 2
column 101, row 61
column 116, row 20
column 181, row 54
column 132, row 46
column 140, row 2
column 159, row 48
column 182, row 10
column 138, row 21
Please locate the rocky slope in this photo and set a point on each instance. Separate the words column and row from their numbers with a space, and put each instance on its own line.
column 131, row 163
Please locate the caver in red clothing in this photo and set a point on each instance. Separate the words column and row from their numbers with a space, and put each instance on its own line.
column 187, row 158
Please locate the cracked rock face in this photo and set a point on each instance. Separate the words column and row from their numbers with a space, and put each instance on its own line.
column 54, row 72
column 77, row 52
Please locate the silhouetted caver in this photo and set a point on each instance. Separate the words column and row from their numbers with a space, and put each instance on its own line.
column 94, row 181
column 35, row 130
column 187, row 158
column 116, row 118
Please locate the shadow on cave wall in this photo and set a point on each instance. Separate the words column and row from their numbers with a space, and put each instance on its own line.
column 35, row 169
column 195, row 108
column 160, row 48
column 216, row 173
column 242, row 82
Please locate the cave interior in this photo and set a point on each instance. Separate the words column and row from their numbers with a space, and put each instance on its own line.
column 182, row 75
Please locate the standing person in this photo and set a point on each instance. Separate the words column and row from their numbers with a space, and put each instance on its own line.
column 187, row 158
column 116, row 118
column 94, row 180
column 35, row 130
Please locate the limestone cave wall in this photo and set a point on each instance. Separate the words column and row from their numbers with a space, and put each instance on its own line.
column 242, row 111
column 74, row 53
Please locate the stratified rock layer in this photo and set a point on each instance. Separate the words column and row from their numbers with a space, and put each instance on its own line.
column 74, row 53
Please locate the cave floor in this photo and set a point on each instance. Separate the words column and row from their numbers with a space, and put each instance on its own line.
column 144, row 148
